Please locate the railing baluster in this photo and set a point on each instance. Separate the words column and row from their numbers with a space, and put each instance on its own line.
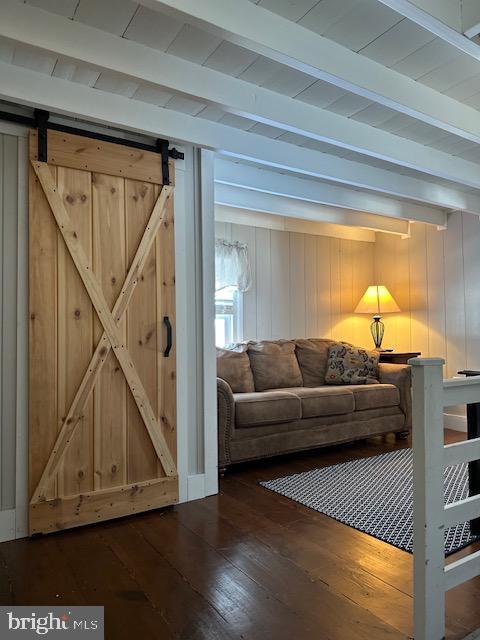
column 428, row 530
column 430, row 518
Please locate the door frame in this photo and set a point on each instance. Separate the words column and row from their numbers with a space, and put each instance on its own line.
column 14, row 522
column 206, row 162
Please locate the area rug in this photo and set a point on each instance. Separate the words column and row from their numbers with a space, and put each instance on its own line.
column 374, row 495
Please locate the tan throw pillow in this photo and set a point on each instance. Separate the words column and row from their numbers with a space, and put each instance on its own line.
column 274, row 364
column 312, row 356
column 351, row 365
column 233, row 366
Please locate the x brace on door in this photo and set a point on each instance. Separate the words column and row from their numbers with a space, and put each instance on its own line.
column 111, row 337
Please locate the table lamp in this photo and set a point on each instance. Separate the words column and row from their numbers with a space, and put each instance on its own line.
column 378, row 300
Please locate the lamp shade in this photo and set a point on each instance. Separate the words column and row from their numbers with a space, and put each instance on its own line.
column 377, row 299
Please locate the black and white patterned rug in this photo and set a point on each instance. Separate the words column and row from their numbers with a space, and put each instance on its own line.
column 374, row 495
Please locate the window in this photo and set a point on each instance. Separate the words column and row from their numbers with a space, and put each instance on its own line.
column 228, row 316
column 232, row 279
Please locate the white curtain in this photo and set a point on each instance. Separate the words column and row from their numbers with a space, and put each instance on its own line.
column 232, row 266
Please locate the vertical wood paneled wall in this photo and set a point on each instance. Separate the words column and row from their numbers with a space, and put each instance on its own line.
column 306, row 285
column 435, row 277
column 303, row 285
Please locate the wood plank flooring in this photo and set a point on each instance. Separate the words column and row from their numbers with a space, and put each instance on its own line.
column 245, row 564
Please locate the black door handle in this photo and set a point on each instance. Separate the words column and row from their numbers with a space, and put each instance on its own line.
column 167, row 323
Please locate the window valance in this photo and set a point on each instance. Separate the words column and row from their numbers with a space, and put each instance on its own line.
column 232, row 266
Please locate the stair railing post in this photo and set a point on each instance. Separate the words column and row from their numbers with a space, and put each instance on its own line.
column 428, row 499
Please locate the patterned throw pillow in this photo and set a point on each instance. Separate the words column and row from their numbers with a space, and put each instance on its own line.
column 351, row 365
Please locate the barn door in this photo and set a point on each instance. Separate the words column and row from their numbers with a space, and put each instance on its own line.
column 102, row 438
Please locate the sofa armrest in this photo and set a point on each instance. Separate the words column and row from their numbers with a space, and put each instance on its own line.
column 400, row 375
column 226, row 419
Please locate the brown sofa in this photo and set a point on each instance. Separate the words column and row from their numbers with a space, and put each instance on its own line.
column 272, row 399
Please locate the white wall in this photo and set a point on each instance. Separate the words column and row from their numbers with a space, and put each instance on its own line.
column 435, row 278
column 307, row 285
column 13, row 332
column 303, row 285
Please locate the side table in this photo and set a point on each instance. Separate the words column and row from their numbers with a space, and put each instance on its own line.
column 398, row 357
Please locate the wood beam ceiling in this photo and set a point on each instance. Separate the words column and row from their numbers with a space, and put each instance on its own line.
column 268, row 34
column 90, row 46
column 36, row 89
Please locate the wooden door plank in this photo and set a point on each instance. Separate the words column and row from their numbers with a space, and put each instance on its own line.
column 103, row 504
column 88, row 154
column 110, row 394
column 43, row 417
column 105, row 316
column 166, row 367
column 75, row 332
column 141, row 321
column 104, row 346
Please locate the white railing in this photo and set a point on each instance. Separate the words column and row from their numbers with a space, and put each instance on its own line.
column 432, row 578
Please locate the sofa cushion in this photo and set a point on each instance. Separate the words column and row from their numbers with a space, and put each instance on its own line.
column 375, row 396
column 274, row 364
column 312, row 356
column 351, row 365
column 324, row 401
column 254, row 409
column 233, row 366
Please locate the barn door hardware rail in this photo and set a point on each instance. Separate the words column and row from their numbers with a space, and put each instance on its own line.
column 41, row 121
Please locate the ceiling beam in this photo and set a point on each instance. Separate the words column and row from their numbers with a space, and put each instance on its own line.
column 435, row 26
column 471, row 18
column 275, row 183
column 67, row 98
column 82, row 43
column 251, row 218
column 286, row 42
column 292, row 208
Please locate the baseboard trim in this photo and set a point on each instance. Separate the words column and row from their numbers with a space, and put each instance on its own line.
column 7, row 525
column 196, row 487
column 455, row 422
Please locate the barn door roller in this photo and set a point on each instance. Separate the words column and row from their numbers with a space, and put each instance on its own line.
column 41, row 121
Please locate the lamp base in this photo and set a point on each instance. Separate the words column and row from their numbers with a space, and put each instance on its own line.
column 377, row 329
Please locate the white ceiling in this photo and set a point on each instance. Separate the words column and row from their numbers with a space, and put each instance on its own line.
column 364, row 26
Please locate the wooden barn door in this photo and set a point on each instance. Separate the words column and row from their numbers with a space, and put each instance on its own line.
column 102, row 437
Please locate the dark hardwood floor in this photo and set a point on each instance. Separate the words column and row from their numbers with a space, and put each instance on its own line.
column 247, row 563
